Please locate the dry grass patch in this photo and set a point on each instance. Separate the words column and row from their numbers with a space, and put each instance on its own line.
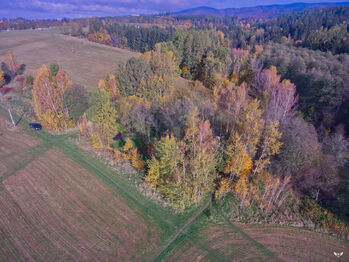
column 53, row 209
column 85, row 62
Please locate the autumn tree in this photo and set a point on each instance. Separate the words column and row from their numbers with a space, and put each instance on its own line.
column 202, row 157
column 280, row 95
column 230, row 99
column 248, row 153
column 166, row 172
column 10, row 63
column 84, row 126
column 132, row 154
column 100, row 36
column 274, row 190
column 132, row 76
column 269, row 146
column 103, row 114
column 48, row 99
column 184, row 171
column 75, row 99
column 110, row 86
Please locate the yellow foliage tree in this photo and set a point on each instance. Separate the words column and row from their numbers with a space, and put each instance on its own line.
column 154, row 174
column 136, row 160
column 95, row 140
column 243, row 162
column 128, row 145
column 270, row 146
column 132, row 154
column 166, row 172
column 11, row 62
column 238, row 160
column 48, row 100
column 202, row 157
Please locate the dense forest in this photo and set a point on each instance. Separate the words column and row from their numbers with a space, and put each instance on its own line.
column 260, row 112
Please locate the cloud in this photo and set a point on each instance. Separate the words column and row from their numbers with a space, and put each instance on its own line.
column 78, row 8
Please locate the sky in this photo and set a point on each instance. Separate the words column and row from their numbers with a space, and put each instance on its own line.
column 86, row 8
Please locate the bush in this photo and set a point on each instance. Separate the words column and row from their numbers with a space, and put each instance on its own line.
column 29, row 80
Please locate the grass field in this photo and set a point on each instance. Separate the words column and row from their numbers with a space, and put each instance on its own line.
column 85, row 62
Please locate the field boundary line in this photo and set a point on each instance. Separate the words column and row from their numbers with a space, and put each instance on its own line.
column 35, row 153
column 30, row 149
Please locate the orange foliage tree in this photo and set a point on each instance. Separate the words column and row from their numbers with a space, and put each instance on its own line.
column 101, row 37
column 2, row 79
column 133, row 155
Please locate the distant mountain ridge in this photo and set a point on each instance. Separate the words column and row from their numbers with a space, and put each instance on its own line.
column 262, row 11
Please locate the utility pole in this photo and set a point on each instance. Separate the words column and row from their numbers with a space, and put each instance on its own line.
column 9, row 111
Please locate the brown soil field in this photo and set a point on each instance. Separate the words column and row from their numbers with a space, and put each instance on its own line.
column 54, row 209
column 16, row 147
column 85, row 62
column 298, row 245
column 221, row 242
column 216, row 242
column 14, row 139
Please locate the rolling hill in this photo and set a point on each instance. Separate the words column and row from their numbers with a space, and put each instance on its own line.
column 267, row 11
column 85, row 62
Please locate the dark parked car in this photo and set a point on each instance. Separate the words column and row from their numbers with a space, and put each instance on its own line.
column 118, row 137
column 35, row 126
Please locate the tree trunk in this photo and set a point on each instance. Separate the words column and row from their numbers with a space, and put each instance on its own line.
column 51, row 100
column 260, row 158
column 317, row 195
column 13, row 122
